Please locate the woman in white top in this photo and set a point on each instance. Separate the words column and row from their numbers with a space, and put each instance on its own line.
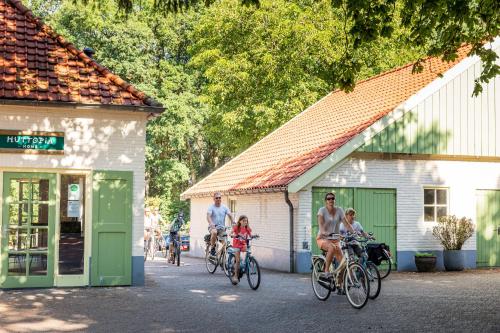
column 329, row 220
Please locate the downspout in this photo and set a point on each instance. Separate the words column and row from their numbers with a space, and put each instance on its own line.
column 292, row 251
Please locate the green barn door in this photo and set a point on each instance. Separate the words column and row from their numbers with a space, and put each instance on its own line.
column 488, row 228
column 343, row 198
column 111, row 262
column 27, row 247
column 376, row 211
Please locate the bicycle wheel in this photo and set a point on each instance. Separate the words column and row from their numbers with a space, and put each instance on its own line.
column 374, row 278
column 253, row 273
column 231, row 266
column 210, row 261
column 385, row 266
column 223, row 263
column 322, row 289
column 178, row 254
column 356, row 285
column 145, row 250
column 153, row 249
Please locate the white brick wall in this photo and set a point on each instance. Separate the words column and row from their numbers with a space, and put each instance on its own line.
column 94, row 140
column 409, row 178
column 268, row 216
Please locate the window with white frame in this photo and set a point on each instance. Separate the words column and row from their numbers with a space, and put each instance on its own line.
column 232, row 206
column 435, row 203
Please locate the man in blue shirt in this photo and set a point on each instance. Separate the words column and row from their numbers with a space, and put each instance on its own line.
column 216, row 217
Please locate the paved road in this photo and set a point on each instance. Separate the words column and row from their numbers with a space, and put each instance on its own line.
column 188, row 299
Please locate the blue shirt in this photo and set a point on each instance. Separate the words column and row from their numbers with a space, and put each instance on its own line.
column 218, row 215
column 356, row 226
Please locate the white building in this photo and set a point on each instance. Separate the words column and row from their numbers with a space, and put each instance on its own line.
column 72, row 141
column 402, row 149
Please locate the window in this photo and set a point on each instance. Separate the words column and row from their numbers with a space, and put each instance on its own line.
column 435, row 203
column 232, row 206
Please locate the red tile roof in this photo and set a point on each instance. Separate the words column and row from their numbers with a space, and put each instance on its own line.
column 37, row 64
column 301, row 143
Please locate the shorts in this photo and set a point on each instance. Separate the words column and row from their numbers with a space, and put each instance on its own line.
column 221, row 233
column 321, row 242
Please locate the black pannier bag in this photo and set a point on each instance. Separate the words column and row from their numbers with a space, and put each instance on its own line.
column 207, row 238
column 376, row 253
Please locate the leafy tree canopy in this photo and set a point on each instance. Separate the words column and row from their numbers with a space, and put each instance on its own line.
column 439, row 26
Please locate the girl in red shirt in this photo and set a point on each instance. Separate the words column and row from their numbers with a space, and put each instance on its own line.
column 240, row 229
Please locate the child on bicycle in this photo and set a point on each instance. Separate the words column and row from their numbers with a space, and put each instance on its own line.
column 241, row 229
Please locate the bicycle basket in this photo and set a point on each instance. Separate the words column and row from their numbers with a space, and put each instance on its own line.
column 375, row 253
column 207, row 238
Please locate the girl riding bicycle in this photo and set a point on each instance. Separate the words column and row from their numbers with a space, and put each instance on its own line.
column 243, row 230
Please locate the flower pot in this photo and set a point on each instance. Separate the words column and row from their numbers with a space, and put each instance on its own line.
column 425, row 264
column 453, row 260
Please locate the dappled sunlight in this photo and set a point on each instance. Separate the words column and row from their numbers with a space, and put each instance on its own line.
column 228, row 298
column 197, row 291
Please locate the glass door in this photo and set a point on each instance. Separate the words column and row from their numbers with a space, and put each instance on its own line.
column 28, row 230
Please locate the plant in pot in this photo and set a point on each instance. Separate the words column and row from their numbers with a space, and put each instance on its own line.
column 452, row 232
column 425, row 261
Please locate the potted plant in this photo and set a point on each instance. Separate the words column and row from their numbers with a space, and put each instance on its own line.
column 425, row 261
column 452, row 232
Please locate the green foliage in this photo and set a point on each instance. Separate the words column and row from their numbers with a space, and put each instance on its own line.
column 452, row 232
column 424, row 254
column 264, row 65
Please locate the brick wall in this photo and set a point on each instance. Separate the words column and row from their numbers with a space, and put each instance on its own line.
column 409, row 178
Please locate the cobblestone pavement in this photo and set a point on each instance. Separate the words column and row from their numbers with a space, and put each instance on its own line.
column 188, row 299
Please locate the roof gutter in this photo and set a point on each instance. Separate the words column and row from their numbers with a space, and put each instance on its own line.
column 186, row 196
column 292, row 247
column 79, row 106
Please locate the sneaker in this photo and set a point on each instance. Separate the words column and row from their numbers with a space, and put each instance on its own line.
column 212, row 251
column 234, row 280
column 340, row 291
column 325, row 275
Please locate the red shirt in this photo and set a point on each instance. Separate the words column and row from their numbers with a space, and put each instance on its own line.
column 244, row 232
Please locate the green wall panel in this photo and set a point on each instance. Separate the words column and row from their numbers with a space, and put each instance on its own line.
column 488, row 223
column 376, row 211
column 112, row 228
column 449, row 122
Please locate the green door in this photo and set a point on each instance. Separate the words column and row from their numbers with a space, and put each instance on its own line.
column 488, row 228
column 343, row 198
column 376, row 211
column 28, row 230
column 111, row 262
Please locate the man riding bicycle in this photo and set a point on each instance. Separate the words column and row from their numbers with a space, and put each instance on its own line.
column 216, row 217
column 175, row 227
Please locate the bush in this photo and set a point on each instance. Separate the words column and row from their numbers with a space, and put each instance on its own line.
column 424, row 254
column 452, row 232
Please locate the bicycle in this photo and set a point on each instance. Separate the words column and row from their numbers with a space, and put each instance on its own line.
column 249, row 266
column 175, row 252
column 356, row 285
column 220, row 258
column 148, row 248
column 381, row 256
column 370, row 268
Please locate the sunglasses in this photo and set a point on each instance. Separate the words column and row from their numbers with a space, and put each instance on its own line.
column 331, row 198
column 218, row 198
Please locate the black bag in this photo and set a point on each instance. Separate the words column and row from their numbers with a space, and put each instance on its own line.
column 376, row 253
column 207, row 238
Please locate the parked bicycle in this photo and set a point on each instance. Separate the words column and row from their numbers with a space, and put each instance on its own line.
column 355, row 285
column 249, row 266
column 175, row 251
column 220, row 257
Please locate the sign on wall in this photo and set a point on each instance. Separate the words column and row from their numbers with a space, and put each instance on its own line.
column 29, row 142
column 74, row 200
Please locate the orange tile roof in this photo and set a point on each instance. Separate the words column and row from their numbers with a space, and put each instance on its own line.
column 298, row 145
column 37, row 64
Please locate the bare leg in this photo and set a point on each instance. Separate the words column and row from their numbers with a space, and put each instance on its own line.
column 213, row 237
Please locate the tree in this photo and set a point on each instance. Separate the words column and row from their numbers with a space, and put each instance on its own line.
column 439, row 26
column 264, row 65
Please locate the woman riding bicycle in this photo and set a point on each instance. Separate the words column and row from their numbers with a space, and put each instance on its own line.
column 242, row 230
column 329, row 220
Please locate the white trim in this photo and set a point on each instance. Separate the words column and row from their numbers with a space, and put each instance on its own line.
column 340, row 154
